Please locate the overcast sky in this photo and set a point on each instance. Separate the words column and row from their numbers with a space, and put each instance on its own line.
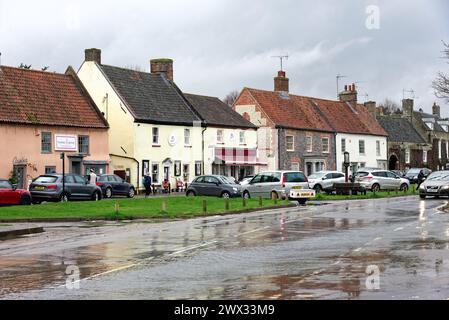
column 224, row 45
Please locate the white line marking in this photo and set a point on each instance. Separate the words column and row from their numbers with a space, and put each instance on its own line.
column 399, row 229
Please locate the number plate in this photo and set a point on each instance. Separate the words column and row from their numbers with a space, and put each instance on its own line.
column 39, row 188
column 432, row 190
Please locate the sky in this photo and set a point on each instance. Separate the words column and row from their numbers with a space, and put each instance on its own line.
column 384, row 46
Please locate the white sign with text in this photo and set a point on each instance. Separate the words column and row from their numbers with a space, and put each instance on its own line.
column 65, row 142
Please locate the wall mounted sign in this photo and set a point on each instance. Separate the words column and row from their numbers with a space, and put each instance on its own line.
column 172, row 140
column 65, row 142
column 232, row 136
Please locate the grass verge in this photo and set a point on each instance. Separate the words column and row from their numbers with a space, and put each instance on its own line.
column 176, row 207
column 369, row 195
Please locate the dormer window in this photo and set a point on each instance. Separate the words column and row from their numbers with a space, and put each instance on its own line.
column 445, row 128
column 429, row 125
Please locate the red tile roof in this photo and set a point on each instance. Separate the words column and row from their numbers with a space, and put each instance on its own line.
column 310, row 113
column 36, row 97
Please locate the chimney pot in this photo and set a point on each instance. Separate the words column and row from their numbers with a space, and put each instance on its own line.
column 162, row 66
column 93, row 55
column 436, row 110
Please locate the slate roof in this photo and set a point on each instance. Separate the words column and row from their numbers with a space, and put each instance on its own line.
column 215, row 112
column 308, row 113
column 150, row 97
column 400, row 129
column 46, row 98
column 423, row 115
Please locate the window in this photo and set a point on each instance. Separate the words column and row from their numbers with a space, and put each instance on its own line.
column 177, row 168
column 156, row 136
column 378, row 148
column 407, row 156
column 295, row 166
column 220, row 136
column 362, row 147
column 50, row 169
column 186, row 172
column 145, row 167
column 242, row 137
column 294, row 177
column 439, row 149
column 430, row 125
column 290, row 143
column 343, row 145
column 198, row 168
column 155, row 172
column 83, row 144
column 424, row 156
column 46, row 142
column 187, row 137
column 325, row 145
column 79, row 180
column 309, row 145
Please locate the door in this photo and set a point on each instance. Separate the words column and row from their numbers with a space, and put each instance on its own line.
column 82, row 188
column 19, row 172
column 328, row 181
column 119, row 185
column 266, row 185
column 254, row 185
column 394, row 180
column 338, row 178
column 7, row 194
column 70, row 186
column 383, row 180
column 212, row 187
column 75, row 166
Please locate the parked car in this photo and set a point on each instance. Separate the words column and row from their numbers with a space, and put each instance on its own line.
column 413, row 174
column 376, row 180
column 214, row 185
column 246, row 180
column 275, row 184
column 10, row 195
column 50, row 188
column 400, row 173
column 436, row 185
column 325, row 180
column 112, row 185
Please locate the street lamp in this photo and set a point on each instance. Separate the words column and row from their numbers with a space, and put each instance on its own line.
column 346, row 163
column 63, row 173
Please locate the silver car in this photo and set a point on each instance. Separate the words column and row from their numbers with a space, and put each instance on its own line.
column 436, row 185
column 376, row 180
column 325, row 180
column 274, row 184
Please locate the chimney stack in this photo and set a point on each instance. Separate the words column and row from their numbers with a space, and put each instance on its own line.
column 407, row 108
column 372, row 108
column 436, row 110
column 349, row 94
column 162, row 66
column 281, row 82
column 93, row 55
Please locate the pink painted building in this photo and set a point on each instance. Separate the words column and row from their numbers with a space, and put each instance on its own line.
column 43, row 114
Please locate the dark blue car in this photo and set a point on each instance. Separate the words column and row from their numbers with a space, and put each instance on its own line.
column 112, row 185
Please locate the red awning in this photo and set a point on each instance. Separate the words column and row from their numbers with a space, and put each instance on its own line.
column 237, row 156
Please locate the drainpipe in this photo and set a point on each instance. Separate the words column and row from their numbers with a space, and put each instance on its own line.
column 279, row 150
column 138, row 168
column 202, row 146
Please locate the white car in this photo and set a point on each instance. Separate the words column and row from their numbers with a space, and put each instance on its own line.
column 325, row 180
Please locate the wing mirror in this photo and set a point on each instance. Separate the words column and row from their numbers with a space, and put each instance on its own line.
column 14, row 187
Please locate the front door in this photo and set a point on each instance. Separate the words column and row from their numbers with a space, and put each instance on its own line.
column 20, row 174
column 167, row 173
column 75, row 167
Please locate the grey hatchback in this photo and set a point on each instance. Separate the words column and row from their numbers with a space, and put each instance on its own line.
column 50, row 188
column 218, row 186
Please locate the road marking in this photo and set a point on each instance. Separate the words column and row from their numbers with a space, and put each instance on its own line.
column 399, row 229
column 358, row 249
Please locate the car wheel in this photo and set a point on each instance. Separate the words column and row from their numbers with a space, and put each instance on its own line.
column 318, row 188
column 225, row 195
column 64, row 198
column 246, row 195
column 404, row 187
column 36, row 202
column 108, row 193
column 422, row 196
column 191, row 193
column 25, row 201
column 274, row 195
column 131, row 193
column 375, row 187
column 96, row 196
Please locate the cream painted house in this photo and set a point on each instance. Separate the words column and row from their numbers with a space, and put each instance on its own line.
column 153, row 129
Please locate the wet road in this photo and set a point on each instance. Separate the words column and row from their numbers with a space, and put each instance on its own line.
column 319, row 252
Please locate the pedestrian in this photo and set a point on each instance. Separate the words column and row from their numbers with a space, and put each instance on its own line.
column 92, row 177
column 420, row 178
column 147, row 184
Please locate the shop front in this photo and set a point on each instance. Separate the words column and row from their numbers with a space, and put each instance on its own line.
column 236, row 162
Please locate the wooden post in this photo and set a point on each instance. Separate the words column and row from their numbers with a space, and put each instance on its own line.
column 274, row 198
column 204, row 206
column 164, row 206
column 117, row 208
column 244, row 202
column 260, row 202
column 227, row 204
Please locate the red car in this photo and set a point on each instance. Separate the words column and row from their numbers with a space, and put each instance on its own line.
column 12, row 196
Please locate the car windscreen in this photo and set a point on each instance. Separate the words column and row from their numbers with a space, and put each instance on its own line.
column 439, row 176
column 5, row 185
column 294, row 177
column 361, row 174
column 316, row 176
column 46, row 179
column 413, row 171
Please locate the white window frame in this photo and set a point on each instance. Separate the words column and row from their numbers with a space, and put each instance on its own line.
column 364, row 147
column 187, row 137
column 293, row 143
column 155, row 174
column 407, row 156
column 309, row 143
column 242, row 137
column 343, row 145
column 328, row 144
column 439, row 149
column 220, row 136
column 378, row 151
column 153, row 135
column 424, row 156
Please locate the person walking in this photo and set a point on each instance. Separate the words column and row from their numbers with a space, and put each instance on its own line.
column 147, row 184
column 92, row 177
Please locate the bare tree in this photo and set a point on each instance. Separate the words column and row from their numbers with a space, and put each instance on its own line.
column 134, row 67
column 231, row 98
column 441, row 83
column 388, row 106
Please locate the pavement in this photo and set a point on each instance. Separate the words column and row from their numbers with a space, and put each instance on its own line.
column 367, row 249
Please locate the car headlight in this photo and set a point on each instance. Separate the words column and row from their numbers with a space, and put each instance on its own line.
column 444, row 187
column 422, row 187
column 415, row 177
column 235, row 189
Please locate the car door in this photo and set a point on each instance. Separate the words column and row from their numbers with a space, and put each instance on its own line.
column 266, row 185
column 83, row 189
column 114, row 183
column 328, row 181
column 7, row 194
column 394, row 179
column 254, row 186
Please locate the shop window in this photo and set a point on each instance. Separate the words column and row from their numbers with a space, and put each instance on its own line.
column 155, row 172
column 177, row 168
column 198, row 168
column 186, row 172
column 46, row 142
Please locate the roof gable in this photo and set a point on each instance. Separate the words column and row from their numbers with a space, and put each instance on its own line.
column 45, row 98
column 400, row 129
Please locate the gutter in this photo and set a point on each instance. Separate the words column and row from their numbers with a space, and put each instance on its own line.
column 138, row 167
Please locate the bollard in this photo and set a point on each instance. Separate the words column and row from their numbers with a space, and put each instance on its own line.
column 227, row 204
column 204, row 206
column 117, row 208
column 244, row 202
column 274, row 198
column 164, row 206
column 260, row 202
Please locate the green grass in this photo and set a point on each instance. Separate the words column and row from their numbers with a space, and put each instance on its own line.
column 369, row 195
column 177, row 207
